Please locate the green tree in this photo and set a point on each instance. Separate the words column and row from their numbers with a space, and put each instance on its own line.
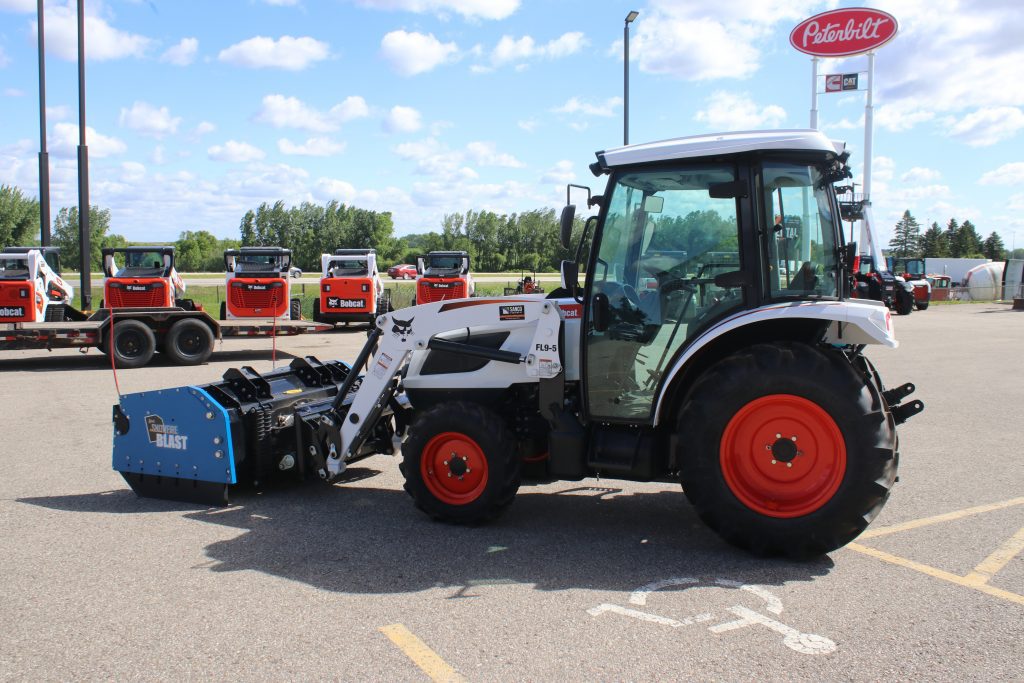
column 933, row 242
column 993, row 247
column 968, row 241
column 65, row 236
column 19, row 217
column 952, row 236
column 906, row 238
column 198, row 252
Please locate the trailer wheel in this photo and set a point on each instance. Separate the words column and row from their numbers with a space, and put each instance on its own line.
column 295, row 310
column 189, row 342
column 133, row 344
column 459, row 463
column 789, row 450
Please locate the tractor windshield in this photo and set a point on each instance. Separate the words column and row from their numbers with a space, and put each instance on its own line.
column 349, row 267
column 802, row 249
column 13, row 268
column 142, row 264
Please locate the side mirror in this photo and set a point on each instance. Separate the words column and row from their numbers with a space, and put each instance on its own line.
column 570, row 275
column 568, row 216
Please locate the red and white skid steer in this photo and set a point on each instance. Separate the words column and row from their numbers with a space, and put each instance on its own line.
column 739, row 373
column 350, row 288
column 31, row 288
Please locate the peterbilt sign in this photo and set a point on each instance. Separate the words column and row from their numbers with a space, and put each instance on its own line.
column 844, row 32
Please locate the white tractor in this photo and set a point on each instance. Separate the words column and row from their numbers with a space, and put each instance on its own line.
column 31, row 288
column 708, row 346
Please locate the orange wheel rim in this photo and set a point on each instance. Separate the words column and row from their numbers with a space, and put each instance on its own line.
column 454, row 468
column 783, row 456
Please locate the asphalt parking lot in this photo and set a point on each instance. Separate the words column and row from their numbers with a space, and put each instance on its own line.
column 579, row 581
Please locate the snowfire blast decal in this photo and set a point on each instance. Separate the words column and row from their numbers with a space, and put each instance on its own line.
column 516, row 312
column 182, row 433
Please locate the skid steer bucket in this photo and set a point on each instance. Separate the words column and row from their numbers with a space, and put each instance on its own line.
column 193, row 443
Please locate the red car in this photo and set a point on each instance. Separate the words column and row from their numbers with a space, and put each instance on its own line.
column 402, row 271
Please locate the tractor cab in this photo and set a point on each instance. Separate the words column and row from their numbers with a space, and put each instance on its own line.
column 258, row 284
column 31, row 289
column 443, row 275
column 350, row 288
column 141, row 277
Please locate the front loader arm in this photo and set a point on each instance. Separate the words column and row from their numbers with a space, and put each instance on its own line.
column 400, row 333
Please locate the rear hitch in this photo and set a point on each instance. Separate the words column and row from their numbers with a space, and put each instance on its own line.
column 902, row 413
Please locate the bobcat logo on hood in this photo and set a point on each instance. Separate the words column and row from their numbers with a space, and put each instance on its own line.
column 402, row 328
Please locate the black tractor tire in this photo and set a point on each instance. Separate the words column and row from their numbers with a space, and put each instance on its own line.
column 904, row 302
column 295, row 309
column 476, row 488
column 316, row 310
column 743, row 426
column 922, row 305
column 223, row 310
column 188, row 342
column 132, row 344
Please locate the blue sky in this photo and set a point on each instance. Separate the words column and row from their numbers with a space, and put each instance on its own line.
column 198, row 111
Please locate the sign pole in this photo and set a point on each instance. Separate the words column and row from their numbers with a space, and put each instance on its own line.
column 814, row 92
column 868, row 127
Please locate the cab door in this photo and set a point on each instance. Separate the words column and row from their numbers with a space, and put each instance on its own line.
column 667, row 234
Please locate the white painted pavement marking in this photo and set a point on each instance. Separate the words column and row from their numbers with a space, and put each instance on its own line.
column 804, row 643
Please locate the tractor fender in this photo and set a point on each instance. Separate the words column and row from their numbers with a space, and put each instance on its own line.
column 850, row 322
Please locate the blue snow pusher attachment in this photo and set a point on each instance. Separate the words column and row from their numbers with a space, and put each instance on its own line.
column 192, row 443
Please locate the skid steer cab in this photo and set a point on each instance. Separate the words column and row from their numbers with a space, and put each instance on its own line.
column 443, row 275
column 31, row 288
column 350, row 288
column 142, row 277
column 709, row 346
column 258, row 284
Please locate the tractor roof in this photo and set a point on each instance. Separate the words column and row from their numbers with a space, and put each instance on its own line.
column 354, row 252
column 715, row 145
column 162, row 248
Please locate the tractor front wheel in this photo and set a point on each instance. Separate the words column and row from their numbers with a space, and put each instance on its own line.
column 459, row 463
column 789, row 450
column 904, row 302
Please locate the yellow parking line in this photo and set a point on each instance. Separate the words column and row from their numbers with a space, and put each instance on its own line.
column 426, row 659
column 937, row 573
column 947, row 517
column 991, row 565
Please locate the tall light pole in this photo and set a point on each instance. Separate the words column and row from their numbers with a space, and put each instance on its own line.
column 625, row 76
column 83, row 170
column 44, row 158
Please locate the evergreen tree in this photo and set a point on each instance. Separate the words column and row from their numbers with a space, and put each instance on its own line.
column 933, row 243
column 994, row 248
column 952, row 235
column 906, row 238
column 969, row 242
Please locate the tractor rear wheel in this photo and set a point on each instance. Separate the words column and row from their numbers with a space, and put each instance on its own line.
column 790, row 450
column 132, row 344
column 188, row 342
column 316, row 310
column 922, row 305
column 459, row 463
column 904, row 302
column 295, row 309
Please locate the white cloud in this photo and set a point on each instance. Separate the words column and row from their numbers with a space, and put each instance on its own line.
column 104, row 42
column 132, row 171
column 529, row 125
column 235, row 152
column 901, row 116
column 736, row 111
column 402, row 120
column 146, row 119
column 560, row 173
column 415, row 53
column 289, row 53
column 64, row 142
column 576, row 106
column 511, row 49
column 920, row 175
column 1007, row 174
column 4, row 59
column 58, row 112
column 204, row 128
column 182, row 54
column 987, row 126
column 158, row 156
column 486, row 154
column 883, row 168
column 469, row 9
column 13, row 92
column 312, row 147
column 282, row 3
column 290, row 112
column 18, row 5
